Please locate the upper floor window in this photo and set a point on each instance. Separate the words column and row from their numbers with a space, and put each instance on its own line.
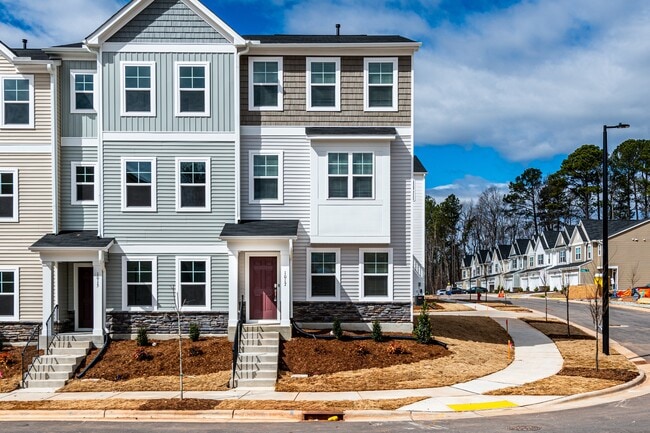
column 589, row 251
column 82, row 87
column 192, row 89
column 139, row 184
column 531, row 261
column 193, row 279
column 17, row 101
column 563, row 256
column 9, row 293
column 578, row 253
column 376, row 273
column 8, row 195
column 265, row 83
column 324, row 273
column 265, row 178
column 139, row 283
column 138, row 89
column 193, row 184
column 600, row 251
column 344, row 182
column 84, row 185
column 380, row 89
column 540, row 259
column 323, row 84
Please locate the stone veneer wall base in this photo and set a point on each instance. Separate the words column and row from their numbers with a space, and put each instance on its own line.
column 124, row 324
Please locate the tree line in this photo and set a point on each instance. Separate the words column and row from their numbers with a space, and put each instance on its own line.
column 534, row 204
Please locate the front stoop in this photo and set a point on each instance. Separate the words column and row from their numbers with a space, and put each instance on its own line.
column 64, row 355
column 257, row 363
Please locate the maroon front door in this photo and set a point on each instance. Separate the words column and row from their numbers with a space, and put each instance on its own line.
column 263, row 276
column 85, row 297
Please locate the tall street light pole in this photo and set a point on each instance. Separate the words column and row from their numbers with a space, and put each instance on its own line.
column 605, row 260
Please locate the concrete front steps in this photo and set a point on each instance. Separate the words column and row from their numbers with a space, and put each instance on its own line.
column 52, row 371
column 257, row 363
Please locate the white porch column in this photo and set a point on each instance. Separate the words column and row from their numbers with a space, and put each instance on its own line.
column 48, row 294
column 233, row 287
column 99, row 308
column 285, row 288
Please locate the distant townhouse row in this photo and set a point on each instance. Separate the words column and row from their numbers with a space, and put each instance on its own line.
column 167, row 161
column 572, row 256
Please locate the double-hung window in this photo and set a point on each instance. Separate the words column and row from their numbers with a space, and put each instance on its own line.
column 17, row 93
column 193, row 279
column 9, row 293
column 265, row 83
column 265, row 177
column 380, row 84
column 8, row 195
column 193, row 184
column 139, row 184
column 578, row 253
column 323, row 84
column 563, row 256
column 82, row 95
column 84, row 184
column 324, row 273
column 138, row 89
column 350, row 175
column 540, row 259
column 139, row 283
column 590, row 251
column 376, row 273
column 192, row 89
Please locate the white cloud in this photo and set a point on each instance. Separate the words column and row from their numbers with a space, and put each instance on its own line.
column 466, row 189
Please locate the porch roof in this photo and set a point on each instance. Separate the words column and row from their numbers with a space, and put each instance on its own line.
column 261, row 228
column 83, row 239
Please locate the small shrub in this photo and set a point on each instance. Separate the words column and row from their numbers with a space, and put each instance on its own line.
column 142, row 338
column 195, row 351
column 337, row 331
column 195, row 332
column 422, row 331
column 377, row 333
column 361, row 350
column 142, row 355
column 397, row 349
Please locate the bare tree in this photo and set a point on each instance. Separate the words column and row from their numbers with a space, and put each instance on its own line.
column 634, row 275
column 565, row 292
column 178, row 308
column 596, row 310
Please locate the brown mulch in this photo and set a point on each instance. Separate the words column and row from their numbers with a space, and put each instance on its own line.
column 10, row 368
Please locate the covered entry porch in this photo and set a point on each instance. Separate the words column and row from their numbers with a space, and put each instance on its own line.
column 74, row 281
column 260, row 255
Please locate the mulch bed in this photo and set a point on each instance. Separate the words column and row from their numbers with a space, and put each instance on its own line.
column 10, row 374
column 607, row 374
column 303, row 355
column 178, row 404
column 120, row 362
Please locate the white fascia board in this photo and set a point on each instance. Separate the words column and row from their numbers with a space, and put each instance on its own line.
column 69, row 53
column 220, row 137
column 128, row 47
column 353, row 137
column 6, row 51
column 360, row 49
column 116, row 22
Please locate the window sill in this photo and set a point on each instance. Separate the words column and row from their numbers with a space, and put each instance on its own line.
column 84, row 203
column 83, row 111
column 29, row 126
column 138, row 309
column 323, row 299
column 181, row 115
column 140, row 209
column 265, row 108
column 193, row 210
column 390, row 109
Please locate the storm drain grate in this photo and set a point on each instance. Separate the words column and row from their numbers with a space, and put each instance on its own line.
column 322, row 416
column 524, row 428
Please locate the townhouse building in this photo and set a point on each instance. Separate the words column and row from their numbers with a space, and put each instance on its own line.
column 186, row 167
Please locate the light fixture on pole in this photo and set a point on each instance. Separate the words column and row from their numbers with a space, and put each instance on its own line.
column 605, row 260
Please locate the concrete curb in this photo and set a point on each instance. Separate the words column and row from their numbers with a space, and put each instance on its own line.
column 611, row 390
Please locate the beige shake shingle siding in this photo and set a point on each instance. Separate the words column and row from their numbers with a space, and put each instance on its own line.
column 631, row 256
column 35, row 219
column 351, row 114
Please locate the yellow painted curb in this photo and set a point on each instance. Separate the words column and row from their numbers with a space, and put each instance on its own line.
column 501, row 404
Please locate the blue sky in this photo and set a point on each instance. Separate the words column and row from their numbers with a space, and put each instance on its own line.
column 501, row 85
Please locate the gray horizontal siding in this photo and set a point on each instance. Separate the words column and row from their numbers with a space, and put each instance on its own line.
column 351, row 114
column 167, row 21
column 78, row 124
column 75, row 217
column 401, row 158
column 221, row 119
column 167, row 281
column 166, row 225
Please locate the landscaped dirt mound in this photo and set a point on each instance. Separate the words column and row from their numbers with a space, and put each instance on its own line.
column 10, row 368
column 125, row 360
column 311, row 356
column 178, row 404
column 618, row 374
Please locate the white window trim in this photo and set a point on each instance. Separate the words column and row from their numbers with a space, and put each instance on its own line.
column 337, row 84
column 366, row 84
column 590, row 252
column 177, row 90
column 73, row 92
column 152, row 111
column 15, row 217
column 578, row 253
column 251, row 178
column 30, row 78
column 337, row 296
column 351, row 176
column 208, row 190
column 154, row 194
column 16, row 315
column 362, row 296
column 73, row 184
column 251, row 87
column 154, row 282
column 208, row 282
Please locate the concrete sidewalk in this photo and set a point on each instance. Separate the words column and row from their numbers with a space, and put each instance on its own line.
column 536, row 357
